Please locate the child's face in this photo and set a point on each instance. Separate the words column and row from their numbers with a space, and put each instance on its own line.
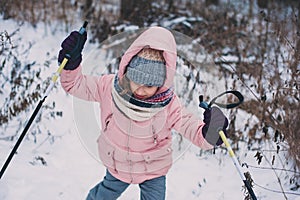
column 142, row 91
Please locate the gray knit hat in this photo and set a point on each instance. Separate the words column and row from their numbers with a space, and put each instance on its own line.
column 147, row 68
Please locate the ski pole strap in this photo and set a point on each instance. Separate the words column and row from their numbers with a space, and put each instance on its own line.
column 240, row 97
column 230, row 105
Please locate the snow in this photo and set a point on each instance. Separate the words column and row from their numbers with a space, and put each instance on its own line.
column 71, row 166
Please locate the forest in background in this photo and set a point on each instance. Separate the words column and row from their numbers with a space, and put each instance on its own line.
column 262, row 36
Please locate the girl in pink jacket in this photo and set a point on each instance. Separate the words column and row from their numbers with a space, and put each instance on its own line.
column 138, row 111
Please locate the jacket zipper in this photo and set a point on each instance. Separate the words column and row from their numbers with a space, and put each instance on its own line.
column 128, row 151
column 154, row 135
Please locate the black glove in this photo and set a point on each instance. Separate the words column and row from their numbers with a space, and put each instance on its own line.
column 214, row 121
column 71, row 48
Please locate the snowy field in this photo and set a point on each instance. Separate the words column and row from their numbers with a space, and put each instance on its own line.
column 61, row 167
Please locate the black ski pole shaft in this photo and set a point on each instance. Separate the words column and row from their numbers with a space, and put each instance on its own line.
column 14, row 150
column 37, row 109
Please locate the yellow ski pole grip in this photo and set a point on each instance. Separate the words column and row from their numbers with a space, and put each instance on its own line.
column 60, row 68
column 224, row 139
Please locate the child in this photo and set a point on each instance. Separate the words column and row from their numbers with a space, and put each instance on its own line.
column 138, row 111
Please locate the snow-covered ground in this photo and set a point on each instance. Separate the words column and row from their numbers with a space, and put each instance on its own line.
column 63, row 168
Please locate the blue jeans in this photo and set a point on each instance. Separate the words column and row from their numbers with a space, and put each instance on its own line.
column 111, row 188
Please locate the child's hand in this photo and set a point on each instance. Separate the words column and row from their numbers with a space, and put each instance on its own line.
column 71, row 48
column 214, row 121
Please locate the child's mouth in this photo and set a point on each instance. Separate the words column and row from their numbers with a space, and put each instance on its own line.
column 139, row 96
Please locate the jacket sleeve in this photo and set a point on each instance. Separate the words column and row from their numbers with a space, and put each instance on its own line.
column 187, row 124
column 86, row 87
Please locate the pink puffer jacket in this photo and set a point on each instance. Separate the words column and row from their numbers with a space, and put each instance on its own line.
column 137, row 151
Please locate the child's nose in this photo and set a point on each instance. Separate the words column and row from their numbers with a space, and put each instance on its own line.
column 140, row 91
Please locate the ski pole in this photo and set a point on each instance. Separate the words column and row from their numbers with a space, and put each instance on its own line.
column 205, row 105
column 237, row 165
column 36, row 110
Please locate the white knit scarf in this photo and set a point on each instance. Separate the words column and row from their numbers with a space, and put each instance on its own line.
column 132, row 111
